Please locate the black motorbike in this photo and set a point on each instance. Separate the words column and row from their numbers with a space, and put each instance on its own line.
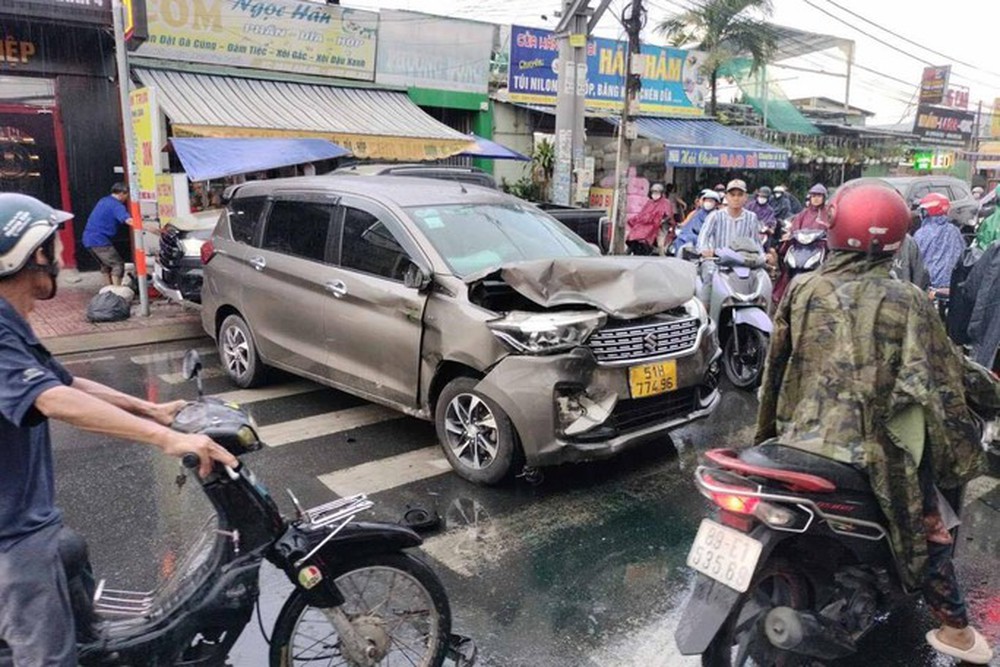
column 806, row 251
column 797, row 565
column 359, row 598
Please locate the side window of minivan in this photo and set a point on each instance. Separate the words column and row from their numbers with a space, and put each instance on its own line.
column 368, row 245
column 244, row 213
column 298, row 228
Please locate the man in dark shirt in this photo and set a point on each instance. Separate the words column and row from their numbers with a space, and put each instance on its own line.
column 36, row 619
column 102, row 225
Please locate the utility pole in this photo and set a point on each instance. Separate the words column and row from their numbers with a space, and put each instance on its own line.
column 571, row 97
column 626, row 128
column 139, row 249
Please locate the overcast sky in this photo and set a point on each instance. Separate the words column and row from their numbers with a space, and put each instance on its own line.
column 960, row 29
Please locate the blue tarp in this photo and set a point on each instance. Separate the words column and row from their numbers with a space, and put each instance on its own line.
column 206, row 158
column 490, row 149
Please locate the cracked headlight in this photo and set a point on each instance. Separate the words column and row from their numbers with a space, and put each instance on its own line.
column 542, row 333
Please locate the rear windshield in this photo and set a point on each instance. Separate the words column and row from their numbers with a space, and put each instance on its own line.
column 474, row 237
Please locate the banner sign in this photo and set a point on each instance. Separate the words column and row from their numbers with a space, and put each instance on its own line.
column 726, row 158
column 671, row 82
column 424, row 51
column 145, row 126
column 282, row 35
column 995, row 119
column 28, row 47
column 933, row 84
column 944, row 127
column 92, row 12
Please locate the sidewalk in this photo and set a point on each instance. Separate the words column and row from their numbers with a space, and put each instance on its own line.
column 62, row 323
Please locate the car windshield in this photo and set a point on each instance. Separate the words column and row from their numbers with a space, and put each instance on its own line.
column 474, row 237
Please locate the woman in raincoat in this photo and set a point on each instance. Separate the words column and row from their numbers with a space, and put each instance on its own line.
column 989, row 228
column 644, row 226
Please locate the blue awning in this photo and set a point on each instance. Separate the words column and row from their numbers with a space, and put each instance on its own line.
column 706, row 143
column 485, row 148
column 206, row 158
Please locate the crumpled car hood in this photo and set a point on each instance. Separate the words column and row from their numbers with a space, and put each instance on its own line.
column 624, row 287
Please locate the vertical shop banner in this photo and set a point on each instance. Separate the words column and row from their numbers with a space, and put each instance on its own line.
column 424, row 51
column 995, row 119
column 282, row 35
column 671, row 81
column 145, row 134
column 933, row 84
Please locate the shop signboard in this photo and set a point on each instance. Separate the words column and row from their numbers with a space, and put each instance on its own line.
column 434, row 52
column 145, row 132
column 29, row 47
column 92, row 12
column 172, row 197
column 944, row 127
column 933, row 84
column 602, row 198
column 726, row 158
column 671, row 81
column 995, row 119
column 282, row 35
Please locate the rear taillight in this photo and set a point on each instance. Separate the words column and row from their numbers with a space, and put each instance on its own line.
column 732, row 502
column 207, row 251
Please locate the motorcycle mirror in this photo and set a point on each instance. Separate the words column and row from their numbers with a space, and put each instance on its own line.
column 191, row 368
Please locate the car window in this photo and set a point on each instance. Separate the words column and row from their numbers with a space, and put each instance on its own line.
column 367, row 245
column 298, row 228
column 474, row 237
column 958, row 192
column 919, row 191
column 244, row 213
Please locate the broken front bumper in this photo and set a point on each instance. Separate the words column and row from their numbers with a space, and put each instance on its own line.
column 533, row 391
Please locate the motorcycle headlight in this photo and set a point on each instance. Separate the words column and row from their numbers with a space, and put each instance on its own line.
column 542, row 333
column 696, row 309
column 790, row 261
column 813, row 261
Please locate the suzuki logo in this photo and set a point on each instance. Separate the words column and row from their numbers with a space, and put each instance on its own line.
column 649, row 342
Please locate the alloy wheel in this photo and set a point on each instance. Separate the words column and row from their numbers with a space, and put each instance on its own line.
column 236, row 352
column 471, row 429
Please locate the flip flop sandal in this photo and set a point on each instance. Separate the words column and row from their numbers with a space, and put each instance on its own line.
column 979, row 654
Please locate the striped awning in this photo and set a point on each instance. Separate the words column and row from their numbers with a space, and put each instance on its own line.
column 372, row 124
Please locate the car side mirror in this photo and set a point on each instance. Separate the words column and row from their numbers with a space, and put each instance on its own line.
column 417, row 278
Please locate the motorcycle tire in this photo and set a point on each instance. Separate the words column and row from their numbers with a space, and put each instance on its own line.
column 421, row 578
column 746, row 372
column 778, row 583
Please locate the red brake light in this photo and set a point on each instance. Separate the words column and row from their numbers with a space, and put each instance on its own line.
column 732, row 502
column 207, row 251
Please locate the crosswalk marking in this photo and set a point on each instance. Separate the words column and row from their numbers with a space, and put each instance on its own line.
column 155, row 357
column 178, row 378
column 285, row 433
column 88, row 360
column 244, row 396
column 387, row 473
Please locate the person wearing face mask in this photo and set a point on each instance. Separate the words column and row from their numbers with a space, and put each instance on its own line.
column 940, row 242
column 785, row 204
column 644, row 227
column 688, row 233
column 37, row 552
column 760, row 205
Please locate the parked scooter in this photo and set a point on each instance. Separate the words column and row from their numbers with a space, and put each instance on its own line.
column 797, row 563
column 358, row 599
column 737, row 293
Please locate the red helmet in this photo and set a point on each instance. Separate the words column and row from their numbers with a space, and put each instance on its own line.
column 935, row 204
column 867, row 215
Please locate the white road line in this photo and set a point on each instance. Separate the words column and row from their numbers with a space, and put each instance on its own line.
column 178, row 378
column 284, row 433
column 143, row 359
column 387, row 473
column 87, row 361
column 244, row 396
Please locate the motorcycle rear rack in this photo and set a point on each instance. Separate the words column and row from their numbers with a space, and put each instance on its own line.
column 338, row 510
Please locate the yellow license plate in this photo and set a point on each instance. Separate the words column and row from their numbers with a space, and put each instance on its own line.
column 652, row 379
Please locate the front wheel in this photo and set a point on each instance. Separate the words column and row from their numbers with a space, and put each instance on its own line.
column 394, row 601
column 744, row 354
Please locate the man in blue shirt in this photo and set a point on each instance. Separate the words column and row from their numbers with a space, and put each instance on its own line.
column 37, row 599
column 102, row 225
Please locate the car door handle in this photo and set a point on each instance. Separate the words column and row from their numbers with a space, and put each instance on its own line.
column 338, row 288
column 258, row 263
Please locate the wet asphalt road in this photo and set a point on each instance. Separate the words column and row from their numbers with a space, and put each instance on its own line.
column 585, row 569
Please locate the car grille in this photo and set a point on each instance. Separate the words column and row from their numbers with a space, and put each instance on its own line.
column 171, row 251
column 652, row 337
column 634, row 413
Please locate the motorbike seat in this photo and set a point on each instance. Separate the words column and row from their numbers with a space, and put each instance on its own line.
column 777, row 456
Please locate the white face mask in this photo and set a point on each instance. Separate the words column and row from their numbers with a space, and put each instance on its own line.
column 761, row 200
column 778, row 195
column 656, row 195
column 708, row 205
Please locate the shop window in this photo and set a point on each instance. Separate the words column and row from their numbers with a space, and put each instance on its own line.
column 244, row 213
column 370, row 247
column 298, row 228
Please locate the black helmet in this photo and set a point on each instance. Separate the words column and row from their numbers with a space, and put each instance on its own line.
column 25, row 224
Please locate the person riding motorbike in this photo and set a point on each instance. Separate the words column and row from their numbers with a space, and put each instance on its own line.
column 688, row 232
column 812, row 217
column 784, row 203
column 760, row 205
column 861, row 370
column 36, row 550
column 989, row 228
column 940, row 241
column 644, row 227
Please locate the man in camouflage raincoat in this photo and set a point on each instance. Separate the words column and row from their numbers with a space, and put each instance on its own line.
column 861, row 370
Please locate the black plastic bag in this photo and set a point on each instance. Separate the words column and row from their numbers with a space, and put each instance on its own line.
column 108, row 307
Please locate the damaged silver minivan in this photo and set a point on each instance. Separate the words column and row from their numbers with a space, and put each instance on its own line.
column 461, row 305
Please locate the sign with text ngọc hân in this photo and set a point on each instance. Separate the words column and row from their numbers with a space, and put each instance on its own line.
column 283, row 35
